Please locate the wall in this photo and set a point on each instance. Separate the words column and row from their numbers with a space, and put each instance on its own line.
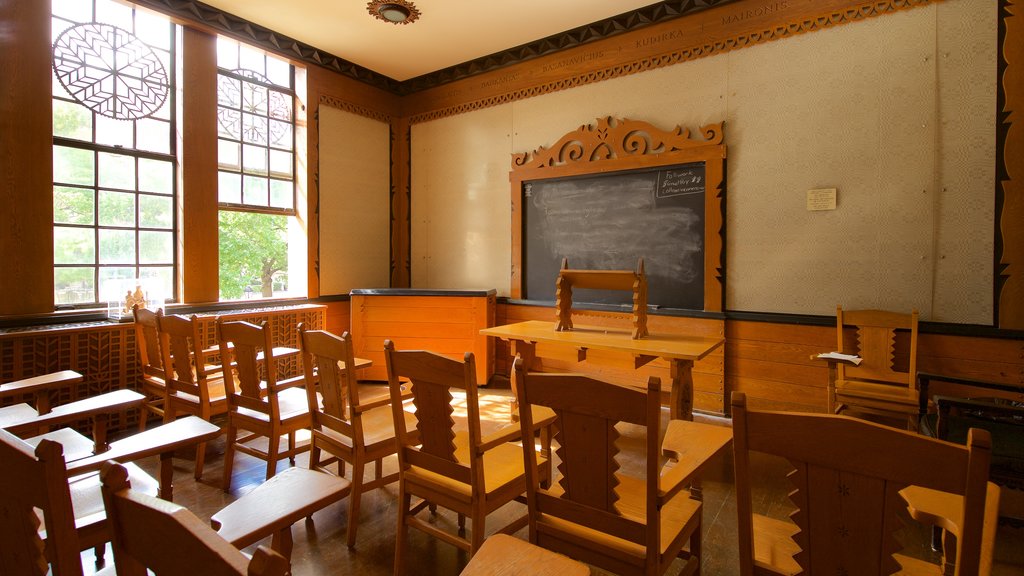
column 354, row 202
column 887, row 110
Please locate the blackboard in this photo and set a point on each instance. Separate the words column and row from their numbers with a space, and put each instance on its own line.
column 608, row 221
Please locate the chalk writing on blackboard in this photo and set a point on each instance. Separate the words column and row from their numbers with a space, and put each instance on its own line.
column 607, row 221
column 688, row 179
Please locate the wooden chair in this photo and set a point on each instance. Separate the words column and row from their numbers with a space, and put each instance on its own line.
column 191, row 385
column 151, row 362
column 71, row 506
column 876, row 386
column 262, row 407
column 847, row 478
column 594, row 512
column 344, row 426
column 461, row 471
column 150, row 533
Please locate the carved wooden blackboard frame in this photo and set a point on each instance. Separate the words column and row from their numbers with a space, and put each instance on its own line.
column 615, row 145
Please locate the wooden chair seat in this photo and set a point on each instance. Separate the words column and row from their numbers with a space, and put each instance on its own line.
column 506, row 555
column 680, row 511
column 774, row 547
column 886, row 394
column 87, row 503
column 291, row 403
column 504, row 465
column 378, row 429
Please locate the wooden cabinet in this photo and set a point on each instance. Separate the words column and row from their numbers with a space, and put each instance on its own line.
column 447, row 322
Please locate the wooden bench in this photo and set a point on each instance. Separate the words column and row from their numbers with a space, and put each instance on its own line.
column 97, row 408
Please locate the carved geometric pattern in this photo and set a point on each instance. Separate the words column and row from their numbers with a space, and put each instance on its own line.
column 434, row 409
column 105, row 353
column 577, row 453
column 110, row 71
column 683, row 55
column 341, row 104
column 613, row 138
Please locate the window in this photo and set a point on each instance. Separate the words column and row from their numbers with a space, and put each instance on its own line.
column 114, row 152
column 256, row 158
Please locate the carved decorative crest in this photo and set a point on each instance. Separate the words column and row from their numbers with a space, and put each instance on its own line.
column 613, row 138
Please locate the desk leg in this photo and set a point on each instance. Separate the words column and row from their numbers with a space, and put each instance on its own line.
column 681, row 397
column 166, row 476
column 282, row 542
column 528, row 352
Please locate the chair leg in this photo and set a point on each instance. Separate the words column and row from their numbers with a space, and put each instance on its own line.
column 200, row 460
column 229, row 455
column 273, row 443
column 314, row 454
column 404, row 501
column 354, row 497
column 477, row 538
column 291, row 447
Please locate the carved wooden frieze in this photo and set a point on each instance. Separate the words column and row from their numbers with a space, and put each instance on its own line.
column 612, row 138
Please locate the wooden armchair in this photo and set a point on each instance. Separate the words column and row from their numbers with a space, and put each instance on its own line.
column 458, row 470
column 147, row 533
column 847, row 478
column 344, row 426
column 595, row 512
column 72, row 510
column 151, row 362
column 263, row 407
column 191, row 385
column 876, row 386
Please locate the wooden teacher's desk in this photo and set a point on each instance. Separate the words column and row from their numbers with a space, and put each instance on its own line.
column 679, row 350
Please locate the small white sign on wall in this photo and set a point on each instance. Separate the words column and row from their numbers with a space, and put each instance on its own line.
column 821, row 199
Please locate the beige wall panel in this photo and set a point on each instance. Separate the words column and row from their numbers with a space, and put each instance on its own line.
column 355, row 245
column 836, row 109
column 966, row 170
column 459, row 204
column 831, row 109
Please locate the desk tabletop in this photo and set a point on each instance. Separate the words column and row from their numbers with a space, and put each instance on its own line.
column 669, row 346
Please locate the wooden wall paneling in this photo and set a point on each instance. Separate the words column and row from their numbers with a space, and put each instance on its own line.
column 988, row 359
column 401, row 173
column 1010, row 176
column 338, row 317
column 26, row 161
column 199, row 231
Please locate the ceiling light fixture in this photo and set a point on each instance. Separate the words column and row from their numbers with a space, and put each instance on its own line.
column 395, row 12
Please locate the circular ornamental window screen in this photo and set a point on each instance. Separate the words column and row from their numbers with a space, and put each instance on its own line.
column 110, row 71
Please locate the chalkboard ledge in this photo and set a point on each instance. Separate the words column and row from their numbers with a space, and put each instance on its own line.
column 651, row 310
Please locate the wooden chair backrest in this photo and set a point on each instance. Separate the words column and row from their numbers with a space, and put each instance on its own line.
column 243, row 342
column 321, row 352
column 876, row 345
column 587, row 411
column 147, row 340
column 149, row 533
column 182, row 348
column 36, row 479
column 848, row 473
column 433, row 376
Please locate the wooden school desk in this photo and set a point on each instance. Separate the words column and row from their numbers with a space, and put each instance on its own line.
column 679, row 350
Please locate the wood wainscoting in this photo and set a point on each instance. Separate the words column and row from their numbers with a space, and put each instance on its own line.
column 106, row 356
column 771, row 362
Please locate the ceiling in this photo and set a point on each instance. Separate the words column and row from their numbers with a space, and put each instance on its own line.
column 448, row 32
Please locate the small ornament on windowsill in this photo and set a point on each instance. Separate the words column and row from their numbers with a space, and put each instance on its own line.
column 122, row 311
